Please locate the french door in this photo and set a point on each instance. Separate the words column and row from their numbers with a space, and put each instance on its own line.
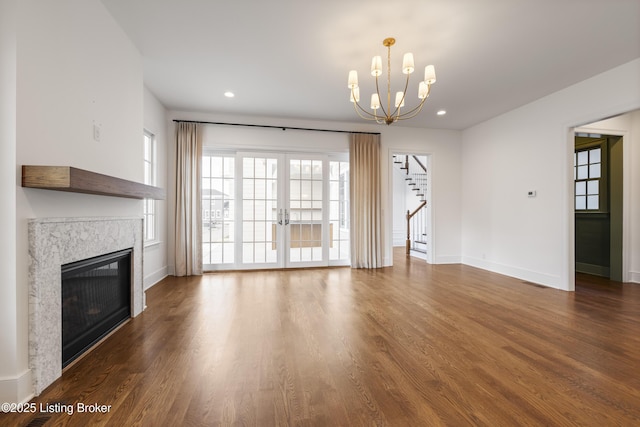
column 292, row 211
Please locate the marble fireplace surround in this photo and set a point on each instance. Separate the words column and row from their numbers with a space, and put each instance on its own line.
column 57, row 241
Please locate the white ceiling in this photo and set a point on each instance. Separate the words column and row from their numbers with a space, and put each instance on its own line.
column 291, row 58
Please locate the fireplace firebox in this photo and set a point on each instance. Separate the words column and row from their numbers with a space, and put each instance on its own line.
column 96, row 299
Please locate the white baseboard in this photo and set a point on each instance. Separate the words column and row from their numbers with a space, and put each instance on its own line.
column 419, row 255
column 399, row 237
column 448, row 259
column 155, row 277
column 597, row 270
column 634, row 276
column 17, row 389
column 516, row 272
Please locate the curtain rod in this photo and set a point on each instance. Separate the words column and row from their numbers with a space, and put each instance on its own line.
column 275, row 127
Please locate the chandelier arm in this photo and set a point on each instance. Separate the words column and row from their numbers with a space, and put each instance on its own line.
column 414, row 112
column 380, row 101
column 396, row 112
column 358, row 108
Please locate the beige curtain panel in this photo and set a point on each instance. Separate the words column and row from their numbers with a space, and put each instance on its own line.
column 366, row 237
column 188, row 212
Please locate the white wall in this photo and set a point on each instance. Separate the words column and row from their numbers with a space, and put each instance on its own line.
column 627, row 125
column 75, row 68
column 531, row 148
column 399, row 209
column 14, row 376
column 155, row 255
column 443, row 145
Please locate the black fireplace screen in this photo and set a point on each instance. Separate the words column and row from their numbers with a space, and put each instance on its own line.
column 96, row 298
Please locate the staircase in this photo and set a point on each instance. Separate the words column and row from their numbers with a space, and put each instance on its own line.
column 415, row 173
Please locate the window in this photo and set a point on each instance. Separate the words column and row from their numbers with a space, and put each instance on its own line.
column 149, row 210
column 589, row 174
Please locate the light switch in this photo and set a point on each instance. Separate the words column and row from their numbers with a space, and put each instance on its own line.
column 96, row 132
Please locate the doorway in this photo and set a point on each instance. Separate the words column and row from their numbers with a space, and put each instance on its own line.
column 598, row 204
column 412, row 221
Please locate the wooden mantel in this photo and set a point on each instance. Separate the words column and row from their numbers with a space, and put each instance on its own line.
column 67, row 178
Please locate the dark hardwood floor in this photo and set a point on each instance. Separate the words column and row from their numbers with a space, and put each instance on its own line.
column 412, row 345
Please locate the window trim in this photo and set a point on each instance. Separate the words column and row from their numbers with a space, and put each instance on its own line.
column 585, row 143
column 150, row 180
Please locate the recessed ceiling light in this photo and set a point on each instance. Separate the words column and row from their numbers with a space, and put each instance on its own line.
column 229, row 94
column 441, row 112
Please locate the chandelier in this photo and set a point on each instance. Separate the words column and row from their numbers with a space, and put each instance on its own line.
column 387, row 115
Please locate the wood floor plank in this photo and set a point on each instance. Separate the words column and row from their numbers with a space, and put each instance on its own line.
column 412, row 345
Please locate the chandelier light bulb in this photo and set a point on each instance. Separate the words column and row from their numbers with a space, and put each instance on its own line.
column 375, row 101
column 407, row 63
column 376, row 66
column 353, row 79
column 399, row 99
column 429, row 74
column 423, row 90
column 355, row 94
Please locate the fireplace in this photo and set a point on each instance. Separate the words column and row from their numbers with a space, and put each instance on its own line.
column 96, row 299
column 58, row 242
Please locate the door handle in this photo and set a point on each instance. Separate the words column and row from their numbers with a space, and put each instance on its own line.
column 280, row 217
column 286, row 217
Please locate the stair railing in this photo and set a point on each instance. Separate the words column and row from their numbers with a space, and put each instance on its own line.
column 409, row 217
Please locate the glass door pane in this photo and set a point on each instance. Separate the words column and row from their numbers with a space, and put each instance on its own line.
column 218, row 210
column 259, row 246
column 339, row 213
column 306, row 236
